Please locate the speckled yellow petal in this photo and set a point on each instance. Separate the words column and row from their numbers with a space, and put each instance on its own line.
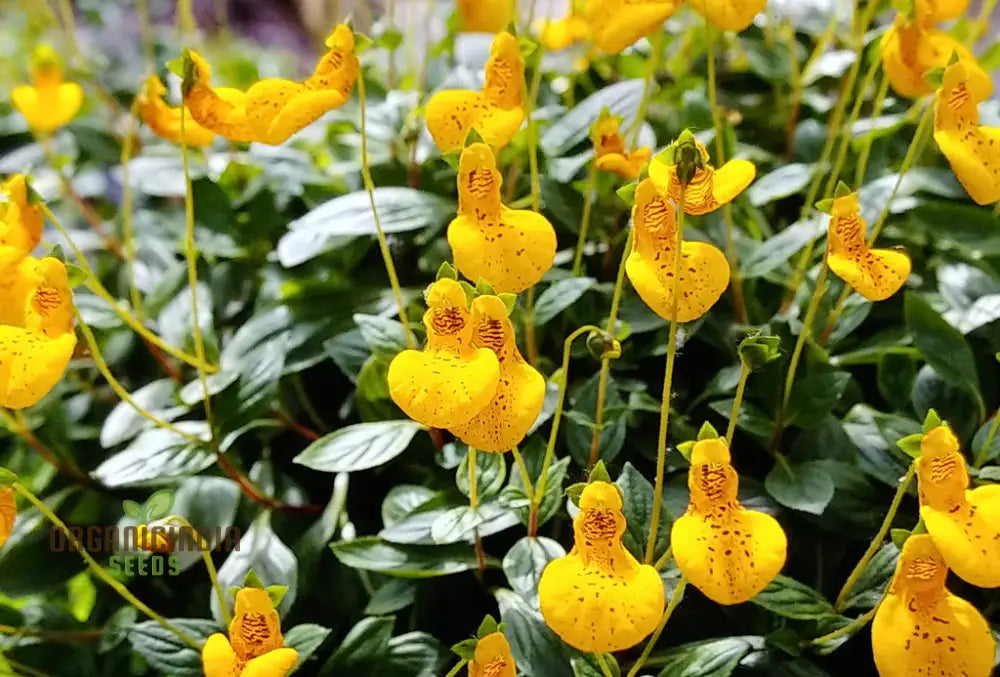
column 598, row 597
column 165, row 121
column 729, row 15
column 20, row 223
column 557, row 34
column 497, row 126
column 709, row 188
column 503, row 81
column 338, row 68
column 936, row 11
column 8, row 513
column 278, row 108
column 451, row 113
column 255, row 629
column 731, row 179
column 909, row 50
column 650, row 265
column 218, row 658
column 514, row 408
column 485, row 16
column 492, row 658
column 220, row 109
column 628, row 166
column 618, row 24
column 922, row 629
column 876, row 274
column 277, row 663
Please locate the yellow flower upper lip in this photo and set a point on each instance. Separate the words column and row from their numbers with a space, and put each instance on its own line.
column 48, row 103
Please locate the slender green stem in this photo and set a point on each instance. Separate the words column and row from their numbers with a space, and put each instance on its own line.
column 588, row 202
column 988, row 442
column 734, row 414
column 100, row 571
column 473, row 490
column 668, row 377
column 146, row 31
column 877, row 541
column 845, row 140
column 205, row 547
column 128, row 233
column 982, row 22
column 866, row 143
column 458, row 668
column 528, row 318
column 69, row 27
column 652, row 65
column 366, row 176
column 854, row 626
column 529, row 489
column 664, row 558
column 550, row 449
column 675, row 599
column 605, row 670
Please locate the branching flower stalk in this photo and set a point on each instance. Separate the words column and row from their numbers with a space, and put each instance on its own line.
column 675, row 599
column 588, row 204
column 205, row 547
column 737, row 402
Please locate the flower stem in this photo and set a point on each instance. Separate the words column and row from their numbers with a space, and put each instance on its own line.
column 845, row 140
column 205, row 547
column 988, row 442
column 529, row 489
column 128, row 234
column 982, row 23
column 366, row 176
column 854, row 626
column 664, row 558
column 675, row 599
column 529, row 327
column 588, row 202
column 605, row 670
column 652, row 65
column 100, row 571
column 550, row 449
column 474, row 503
column 668, row 376
column 866, row 144
column 737, row 402
column 876, row 543
column 458, row 668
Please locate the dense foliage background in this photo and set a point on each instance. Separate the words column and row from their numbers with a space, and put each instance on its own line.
column 296, row 310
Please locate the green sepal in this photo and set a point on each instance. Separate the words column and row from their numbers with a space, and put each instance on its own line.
column 446, row 270
column 825, row 206
column 276, row 593
column 470, row 291
column 574, row 491
column 911, row 444
column 76, row 275
column 487, row 627
column 755, row 351
column 362, row 43
column 603, row 346
column 842, row 190
column 484, row 288
column 389, row 40
column 899, row 537
column 599, row 473
column 707, row 432
column 509, row 302
column 465, row 649
column 931, row 421
column 627, row 193
column 252, row 580
column 7, row 477
column 921, row 528
column 526, row 47
column 686, row 448
column 935, row 77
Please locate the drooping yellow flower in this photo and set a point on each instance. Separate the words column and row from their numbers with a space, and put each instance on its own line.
column 509, row 248
column 911, row 48
column 609, row 148
column 598, row 597
column 514, row 408
column 450, row 381
column 618, row 24
column 922, row 629
column 220, row 109
column 20, row 223
column 36, row 330
column 935, row 11
column 726, row 551
column 47, row 103
column 557, row 34
column 485, row 16
column 255, row 646
column 964, row 524
column 650, row 265
column 876, row 274
column 972, row 150
column 496, row 112
column 165, row 120
column 729, row 15
column 709, row 188
column 8, row 513
column 492, row 658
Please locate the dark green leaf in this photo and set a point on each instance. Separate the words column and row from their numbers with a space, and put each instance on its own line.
column 359, row 447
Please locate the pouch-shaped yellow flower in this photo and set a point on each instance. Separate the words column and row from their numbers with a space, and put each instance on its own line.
column 921, row 629
column 47, row 103
column 450, row 381
column 8, row 513
column 598, row 597
column 709, row 188
column 220, row 109
column 609, row 149
column 20, row 223
column 910, row 49
column 165, row 120
column 36, row 330
column 876, row 274
column 509, row 248
column 973, row 151
column 726, row 551
column 650, row 265
column 729, row 15
column 514, row 408
column 485, row 16
column 492, row 658
column 964, row 524
column 935, row 11
column 618, row 24
column 255, row 646
column 557, row 34
column 496, row 112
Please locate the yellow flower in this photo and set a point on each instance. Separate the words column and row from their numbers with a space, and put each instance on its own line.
column 876, row 274
column 36, row 330
column 557, row 34
column 485, row 16
column 729, row 15
column 964, row 524
column 910, row 49
column 47, row 103
column 20, row 223
column 496, row 112
column 8, row 513
column 153, row 539
column 492, row 658
column 278, row 108
column 509, row 248
column 165, row 121
column 618, row 24
column 726, row 551
column 450, row 381
column 709, row 188
column 609, row 148
column 514, row 408
column 598, row 597
column 255, row 647
column 650, row 265
column 921, row 628
column 220, row 109
column 972, row 150
column 935, row 11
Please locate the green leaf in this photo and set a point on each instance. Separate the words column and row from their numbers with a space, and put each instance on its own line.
column 807, row 487
column 157, row 456
column 524, row 562
column 359, row 447
column 392, row 596
column 305, row 639
column 405, row 561
column 637, row 505
column 621, row 98
column 784, row 181
column 777, row 250
column 586, row 665
column 363, row 649
column 124, row 422
column 788, row 598
column 559, row 296
column 385, row 337
column 874, row 577
column 491, row 471
column 164, row 651
column 815, row 396
column 896, row 374
column 536, row 649
column 711, row 658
